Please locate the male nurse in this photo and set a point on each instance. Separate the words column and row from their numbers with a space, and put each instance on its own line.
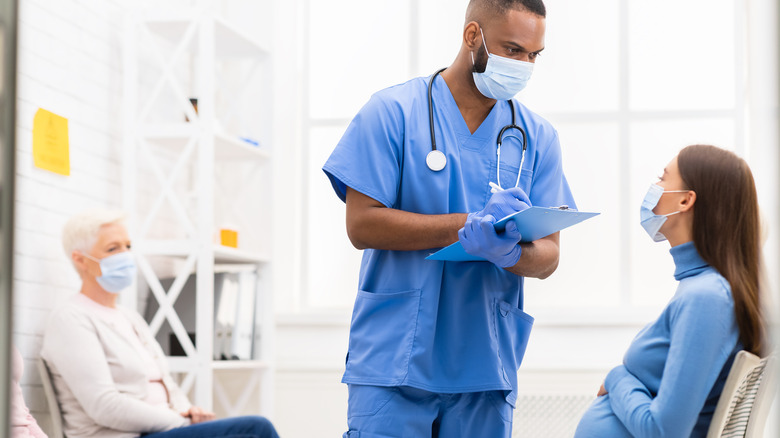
column 435, row 346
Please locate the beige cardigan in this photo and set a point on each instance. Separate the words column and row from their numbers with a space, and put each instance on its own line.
column 100, row 383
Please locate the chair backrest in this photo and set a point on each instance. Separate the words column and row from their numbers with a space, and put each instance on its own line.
column 51, row 400
column 744, row 404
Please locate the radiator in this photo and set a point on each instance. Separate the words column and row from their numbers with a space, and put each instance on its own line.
column 549, row 415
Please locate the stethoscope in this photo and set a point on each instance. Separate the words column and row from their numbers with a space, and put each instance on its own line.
column 436, row 160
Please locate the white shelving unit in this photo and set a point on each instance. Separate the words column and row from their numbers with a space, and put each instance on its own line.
column 170, row 173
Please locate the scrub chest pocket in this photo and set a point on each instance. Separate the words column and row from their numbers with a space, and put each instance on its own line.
column 382, row 334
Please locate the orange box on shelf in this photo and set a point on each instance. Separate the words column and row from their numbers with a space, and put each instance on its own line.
column 228, row 237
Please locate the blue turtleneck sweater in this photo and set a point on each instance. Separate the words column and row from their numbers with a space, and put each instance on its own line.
column 675, row 369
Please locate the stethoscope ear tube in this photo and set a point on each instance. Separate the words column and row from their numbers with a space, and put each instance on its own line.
column 436, row 160
column 512, row 126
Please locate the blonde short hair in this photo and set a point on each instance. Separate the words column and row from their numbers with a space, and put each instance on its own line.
column 81, row 230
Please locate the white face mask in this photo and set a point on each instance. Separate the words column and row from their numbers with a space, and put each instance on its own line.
column 503, row 77
column 118, row 271
column 650, row 221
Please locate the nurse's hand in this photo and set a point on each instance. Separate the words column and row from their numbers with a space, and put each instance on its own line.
column 479, row 238
column 502, row 204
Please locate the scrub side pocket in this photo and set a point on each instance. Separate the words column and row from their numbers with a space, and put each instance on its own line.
column 513, row 328
column 381, row 337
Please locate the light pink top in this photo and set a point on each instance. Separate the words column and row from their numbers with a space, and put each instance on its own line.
column 23, row 425
column 102, row 363
column 157, row 395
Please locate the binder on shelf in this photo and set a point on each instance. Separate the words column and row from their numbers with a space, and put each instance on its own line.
column 533, row 223
column 236, row 319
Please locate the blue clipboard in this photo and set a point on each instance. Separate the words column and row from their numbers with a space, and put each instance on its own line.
column 533, row 223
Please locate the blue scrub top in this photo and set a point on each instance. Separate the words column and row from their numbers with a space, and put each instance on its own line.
column 446, row 327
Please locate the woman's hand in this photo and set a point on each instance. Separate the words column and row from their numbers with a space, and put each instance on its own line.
column 198, row 415
column 602, row 391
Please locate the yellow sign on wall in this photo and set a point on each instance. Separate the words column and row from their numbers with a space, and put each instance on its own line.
column 51, row 148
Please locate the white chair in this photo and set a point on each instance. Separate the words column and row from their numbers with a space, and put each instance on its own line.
column 51, row 400
column 744, row 404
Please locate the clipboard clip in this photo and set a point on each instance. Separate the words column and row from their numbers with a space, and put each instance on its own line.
column 563, row 207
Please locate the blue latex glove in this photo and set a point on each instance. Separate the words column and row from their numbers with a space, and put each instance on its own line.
column 479, row 238
column 502, row 204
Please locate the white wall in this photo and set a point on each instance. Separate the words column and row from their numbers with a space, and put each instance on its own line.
column 69, row 59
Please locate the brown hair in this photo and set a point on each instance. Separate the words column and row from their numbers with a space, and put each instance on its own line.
column 726, row 230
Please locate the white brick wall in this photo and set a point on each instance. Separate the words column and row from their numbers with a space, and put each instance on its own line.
column 69, row 64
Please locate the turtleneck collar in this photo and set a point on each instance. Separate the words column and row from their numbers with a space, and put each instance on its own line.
column 687, row 261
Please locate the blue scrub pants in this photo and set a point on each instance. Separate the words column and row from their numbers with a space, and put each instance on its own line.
column 403, row 412
column 235, row 427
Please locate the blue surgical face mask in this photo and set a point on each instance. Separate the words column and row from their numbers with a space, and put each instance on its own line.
column 503, row 77
column 118, row 271
column 650, row 221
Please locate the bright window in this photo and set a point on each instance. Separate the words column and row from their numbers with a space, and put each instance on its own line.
column 626, row 83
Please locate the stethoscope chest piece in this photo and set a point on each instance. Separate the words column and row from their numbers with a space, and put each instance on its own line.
column 436, row 160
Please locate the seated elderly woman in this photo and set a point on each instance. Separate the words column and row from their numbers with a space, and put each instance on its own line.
column 108, row 370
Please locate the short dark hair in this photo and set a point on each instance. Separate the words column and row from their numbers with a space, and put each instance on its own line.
column 477, row 9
